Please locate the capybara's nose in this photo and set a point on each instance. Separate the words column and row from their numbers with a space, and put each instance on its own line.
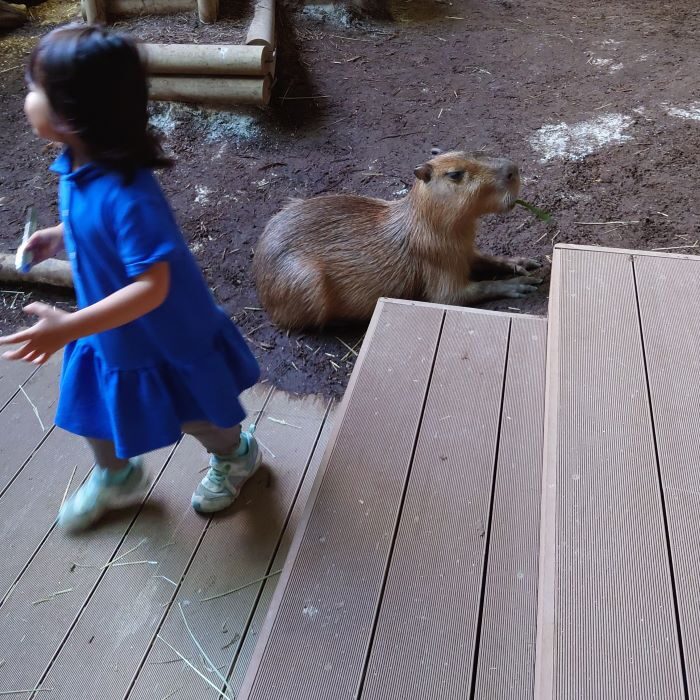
column 509, row 172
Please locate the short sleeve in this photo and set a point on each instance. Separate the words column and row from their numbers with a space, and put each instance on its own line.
column 146, row 233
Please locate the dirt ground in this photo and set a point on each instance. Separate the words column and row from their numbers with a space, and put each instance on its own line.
column 599, row 103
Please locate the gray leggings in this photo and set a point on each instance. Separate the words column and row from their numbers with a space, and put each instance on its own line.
column 215, row 440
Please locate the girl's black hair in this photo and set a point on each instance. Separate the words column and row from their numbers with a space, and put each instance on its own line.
column 95, row 82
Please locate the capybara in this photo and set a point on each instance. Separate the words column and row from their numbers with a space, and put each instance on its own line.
column 329, row 259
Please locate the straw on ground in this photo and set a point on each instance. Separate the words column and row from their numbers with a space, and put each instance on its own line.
column 194, row 668
column 241, row 588
column 34, row 408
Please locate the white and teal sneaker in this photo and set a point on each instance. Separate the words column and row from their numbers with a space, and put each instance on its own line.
column 104, row 491
column 226, row 476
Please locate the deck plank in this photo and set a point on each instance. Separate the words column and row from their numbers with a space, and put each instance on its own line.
column 19, row 421
column 614, row 630
column 506, row 665
column 29, row 507
column 668, row 304
column 31, row 634
column 119, row 622
column 246, row 651
column 428, row 621
column 238, row 548
column 114, row 629
column 12, row 376
column 315, row 640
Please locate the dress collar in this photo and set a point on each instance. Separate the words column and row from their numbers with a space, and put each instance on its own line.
column 63, row 165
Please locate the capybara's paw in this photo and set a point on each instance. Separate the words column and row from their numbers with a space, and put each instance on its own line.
column 520, row 286
column 524, row 265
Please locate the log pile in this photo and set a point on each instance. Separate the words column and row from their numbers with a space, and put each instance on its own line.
column 202, row 73
column 213, row 73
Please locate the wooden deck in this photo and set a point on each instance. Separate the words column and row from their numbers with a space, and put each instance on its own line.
column 503, row 507
column 429, row 532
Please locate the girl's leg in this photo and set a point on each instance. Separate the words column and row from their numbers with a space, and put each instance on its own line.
column 113, row 483
column 222, row 442
column 105, row 455
column 234, row 458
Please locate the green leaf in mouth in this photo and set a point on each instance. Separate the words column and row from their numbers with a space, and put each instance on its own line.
column 541, row 214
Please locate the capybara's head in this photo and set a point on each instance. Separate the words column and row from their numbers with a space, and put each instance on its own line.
column 472, row 183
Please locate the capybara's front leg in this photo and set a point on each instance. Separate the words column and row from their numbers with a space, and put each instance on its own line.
column 489, row 267
column 478, row 292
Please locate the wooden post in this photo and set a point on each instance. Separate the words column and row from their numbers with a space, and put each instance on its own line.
column 207, row 59
column 262, row 29
column 219, row 90
column 94, row 11
column 208, row 11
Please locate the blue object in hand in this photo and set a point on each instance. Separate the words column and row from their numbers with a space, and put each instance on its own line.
column 24, row 257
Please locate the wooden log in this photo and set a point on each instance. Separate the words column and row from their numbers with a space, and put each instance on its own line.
column 94, row 11
column 56, row 273
column 208, row 11
column 12, row 16
column 261, row 31
column 220, row 90
column 207, row 59
column 135, row 8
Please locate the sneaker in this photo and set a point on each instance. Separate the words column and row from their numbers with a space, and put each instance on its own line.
column 226, row 475
column 99, row 494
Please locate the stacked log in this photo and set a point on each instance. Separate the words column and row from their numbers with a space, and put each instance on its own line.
column 213, row 73
column 208, row 90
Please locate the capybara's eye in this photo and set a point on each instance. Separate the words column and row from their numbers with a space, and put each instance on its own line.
column 456, row 175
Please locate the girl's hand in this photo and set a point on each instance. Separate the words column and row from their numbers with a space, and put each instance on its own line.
column 43, row 339
column 45, row 244
column 57, row 328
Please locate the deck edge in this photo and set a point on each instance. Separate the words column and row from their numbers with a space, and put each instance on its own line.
column 452, row 307
column 627, row 251
column 546, row 588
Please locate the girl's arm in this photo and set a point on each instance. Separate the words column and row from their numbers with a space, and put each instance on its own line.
column 57, row 328
column 46, row 243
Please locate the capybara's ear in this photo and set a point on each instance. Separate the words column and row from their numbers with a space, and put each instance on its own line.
column 435, row 151
column 424, row 172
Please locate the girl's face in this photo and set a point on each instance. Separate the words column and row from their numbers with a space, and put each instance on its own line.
column 38, row 111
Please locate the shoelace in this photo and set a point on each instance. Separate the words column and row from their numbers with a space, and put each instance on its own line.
column 217, row 474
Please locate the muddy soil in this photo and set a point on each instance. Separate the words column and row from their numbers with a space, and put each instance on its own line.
column 599, row 103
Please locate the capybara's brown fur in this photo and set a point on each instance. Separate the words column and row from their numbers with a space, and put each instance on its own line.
column 330, row 258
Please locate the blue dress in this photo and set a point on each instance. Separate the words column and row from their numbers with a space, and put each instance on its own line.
column 184, row 361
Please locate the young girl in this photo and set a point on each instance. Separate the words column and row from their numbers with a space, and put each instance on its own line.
column 149, row 355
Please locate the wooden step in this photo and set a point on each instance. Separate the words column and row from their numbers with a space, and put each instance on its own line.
column 414, row 570
column 618, row 613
